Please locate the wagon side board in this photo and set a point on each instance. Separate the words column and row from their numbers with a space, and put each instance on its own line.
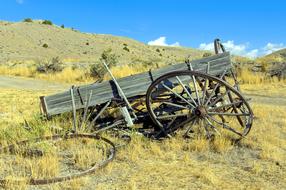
column 132, row 85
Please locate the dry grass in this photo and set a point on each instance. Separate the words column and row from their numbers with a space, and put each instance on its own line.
column 68, row 75
column 257, row 162
column 248, row 77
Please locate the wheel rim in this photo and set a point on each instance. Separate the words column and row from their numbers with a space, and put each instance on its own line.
column 183, row 97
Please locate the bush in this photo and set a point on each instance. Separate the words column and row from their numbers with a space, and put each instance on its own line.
column 207, row 54
column 62, row 26
column 27, row 20
column 47, row 22
column 98, row 70
column 45, row 46
column 126, row 49
column 149, row 63
column 52, row 66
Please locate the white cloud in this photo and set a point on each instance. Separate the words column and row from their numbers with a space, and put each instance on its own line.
column 244, row 50
column 270, row 47
column 252, row 53
column 161, row 41
column 20, row 1
column 238, row 49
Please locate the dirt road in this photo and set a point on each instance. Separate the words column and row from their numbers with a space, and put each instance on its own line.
column 29, row 84
column 267, row 96
column 35, row 84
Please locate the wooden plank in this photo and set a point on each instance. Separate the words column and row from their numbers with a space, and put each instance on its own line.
column 139, row 88
column 66, row 106
column 101, row 97
column 132, row 85
column 126, row 83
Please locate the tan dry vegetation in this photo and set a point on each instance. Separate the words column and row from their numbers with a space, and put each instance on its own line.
column 23, row 41
column 67, row 75
column 257, row 162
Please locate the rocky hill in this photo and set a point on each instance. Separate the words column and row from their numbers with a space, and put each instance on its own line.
column 28, row 41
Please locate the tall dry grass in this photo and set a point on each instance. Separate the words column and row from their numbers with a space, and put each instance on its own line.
column 248, row 77
column 67, row 75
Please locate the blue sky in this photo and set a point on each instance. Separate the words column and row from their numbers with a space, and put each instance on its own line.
column 247, row 27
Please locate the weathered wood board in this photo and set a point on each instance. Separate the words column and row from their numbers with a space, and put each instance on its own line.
column 132, row 85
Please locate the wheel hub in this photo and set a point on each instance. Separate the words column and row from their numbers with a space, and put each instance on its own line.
column 200, row 111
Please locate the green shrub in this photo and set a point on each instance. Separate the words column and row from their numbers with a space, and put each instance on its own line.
column 149, row 63
column 126, row 48
column 207, row 54
column 47, row 22
column 52, row 66
column 98, row 70
column 45, row 45
column 27, row 20
column 62, row 26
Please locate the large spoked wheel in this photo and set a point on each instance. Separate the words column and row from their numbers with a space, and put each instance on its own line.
column 185, row 99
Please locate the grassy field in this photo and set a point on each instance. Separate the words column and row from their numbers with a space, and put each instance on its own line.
column 256, row 162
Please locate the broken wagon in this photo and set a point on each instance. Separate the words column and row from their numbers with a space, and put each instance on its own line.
column 199, row 95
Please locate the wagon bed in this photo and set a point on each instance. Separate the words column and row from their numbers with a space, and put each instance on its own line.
column 131, row 85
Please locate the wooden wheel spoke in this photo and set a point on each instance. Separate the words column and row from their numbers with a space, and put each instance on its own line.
column 190, row 126
column 225, row 126
column 216, row 86
column 212, row 126
column 195, row 85
column 218, row 98
column 206, row 129
column 175, row 105
column 229, row 114
column 225, row 106
column 179, row 96
column 184, row 87
column 205, row 84
column 174, row 128
column 204, row 91
column 171, row 116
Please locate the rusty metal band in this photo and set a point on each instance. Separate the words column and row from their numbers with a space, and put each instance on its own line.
column 43, row 181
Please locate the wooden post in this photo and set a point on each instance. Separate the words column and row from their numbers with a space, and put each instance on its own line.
column 74, row 109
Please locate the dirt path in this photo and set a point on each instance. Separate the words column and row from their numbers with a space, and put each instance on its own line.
column 264, row 99
column 29, row 84
column 267, row 96
column 257, row 96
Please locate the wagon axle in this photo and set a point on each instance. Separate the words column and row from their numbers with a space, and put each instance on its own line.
column 200, row 112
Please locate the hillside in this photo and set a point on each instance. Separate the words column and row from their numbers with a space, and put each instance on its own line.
column 29, row 41
column 281, row 53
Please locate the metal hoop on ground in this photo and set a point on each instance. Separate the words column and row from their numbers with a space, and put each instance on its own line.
column 43, row 181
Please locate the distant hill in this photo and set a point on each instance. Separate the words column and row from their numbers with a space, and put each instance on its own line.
column 25, row 41
column 281, row 53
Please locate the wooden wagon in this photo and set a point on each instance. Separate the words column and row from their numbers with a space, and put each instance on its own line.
column 200, row 94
